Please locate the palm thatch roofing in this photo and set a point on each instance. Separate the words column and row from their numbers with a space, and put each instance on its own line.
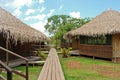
column 106, row 23
column 14, row 29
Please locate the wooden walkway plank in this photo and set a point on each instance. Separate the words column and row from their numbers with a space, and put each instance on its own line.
column 43, row 72
column 52, row 68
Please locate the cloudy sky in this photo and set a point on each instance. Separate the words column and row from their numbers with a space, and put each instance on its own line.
column 36, row 12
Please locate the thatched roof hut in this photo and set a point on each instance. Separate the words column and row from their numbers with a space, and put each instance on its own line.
column 106, row 23
column 105, row 27
column 18, row 37
column 14, row 29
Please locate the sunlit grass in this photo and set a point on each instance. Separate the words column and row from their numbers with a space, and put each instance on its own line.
column 90, row 69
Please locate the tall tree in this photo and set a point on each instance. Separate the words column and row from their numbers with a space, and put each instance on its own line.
column 58, row 25
column 54, row 22
column 71, row 24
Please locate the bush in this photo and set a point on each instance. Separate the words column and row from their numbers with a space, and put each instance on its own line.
column 65, row 52
column 40, row 54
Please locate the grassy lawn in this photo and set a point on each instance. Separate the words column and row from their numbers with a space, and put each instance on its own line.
column 80, row 68
column 33, row 72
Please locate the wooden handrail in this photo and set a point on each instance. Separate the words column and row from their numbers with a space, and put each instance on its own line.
column 9, row 70
column 5, row 66
column 26, row 60
column 13, row 53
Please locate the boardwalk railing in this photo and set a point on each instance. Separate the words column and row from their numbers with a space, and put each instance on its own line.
column 9, row 70
column 9, row 74
column 52, row 68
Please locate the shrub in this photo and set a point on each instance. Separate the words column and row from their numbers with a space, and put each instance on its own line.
column 65, row 52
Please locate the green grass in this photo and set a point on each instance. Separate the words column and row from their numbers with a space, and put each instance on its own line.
column 90, row 69
column 33, row 72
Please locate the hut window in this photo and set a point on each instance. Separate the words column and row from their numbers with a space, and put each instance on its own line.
column 103, row 40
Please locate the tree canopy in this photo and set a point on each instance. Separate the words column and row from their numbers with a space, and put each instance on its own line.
column 58, row 25
column 54, row 22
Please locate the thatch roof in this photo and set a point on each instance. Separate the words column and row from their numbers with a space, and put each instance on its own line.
column 16, row 30
column 106, row 23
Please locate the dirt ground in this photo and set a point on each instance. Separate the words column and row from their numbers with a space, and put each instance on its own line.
column 73, row 64
column 108, row 71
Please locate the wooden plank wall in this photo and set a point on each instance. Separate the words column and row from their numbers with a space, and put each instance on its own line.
column 23, row 50
column 116, row 47
column 102, row 51
column 75, row 44
column 2, row 53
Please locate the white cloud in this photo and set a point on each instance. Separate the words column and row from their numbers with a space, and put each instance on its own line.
column 19, row 3
column 75, row 14
column 51, row 12
column 42, row 9
column 39, row 26
column 17, row 12
column 29, row 11
column 37, row 17
column 60, row 7
column 41, row 1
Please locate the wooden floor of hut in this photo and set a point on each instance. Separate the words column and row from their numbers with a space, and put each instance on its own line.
column 74, row 52
column 18, row 62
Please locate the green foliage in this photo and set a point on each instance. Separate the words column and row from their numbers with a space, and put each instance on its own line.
column 71, row 24
column 40, row 54
column 65, row 52
column 54, row 22
column 58, row 25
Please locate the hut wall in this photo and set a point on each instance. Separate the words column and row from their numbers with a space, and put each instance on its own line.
column 23, row 50
column 75, row 44
column 116, row 47
column 101, row 51
column 2, row 53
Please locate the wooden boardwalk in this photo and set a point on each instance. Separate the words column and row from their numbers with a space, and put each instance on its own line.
column 52, row 68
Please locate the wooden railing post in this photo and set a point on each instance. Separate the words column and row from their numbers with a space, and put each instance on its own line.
column 9, row 75
column 8, row 69
column 27, row 78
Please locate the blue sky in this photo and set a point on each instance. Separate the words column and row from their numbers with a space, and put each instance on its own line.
column 36, row 12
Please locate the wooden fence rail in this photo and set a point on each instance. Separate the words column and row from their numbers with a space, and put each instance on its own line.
column 52, row 68
column 9, row 77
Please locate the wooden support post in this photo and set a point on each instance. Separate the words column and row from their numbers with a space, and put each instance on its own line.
column 40, row 46
column 93, row 57
column 9, row 75
column 27, row 77
column 7, row 55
